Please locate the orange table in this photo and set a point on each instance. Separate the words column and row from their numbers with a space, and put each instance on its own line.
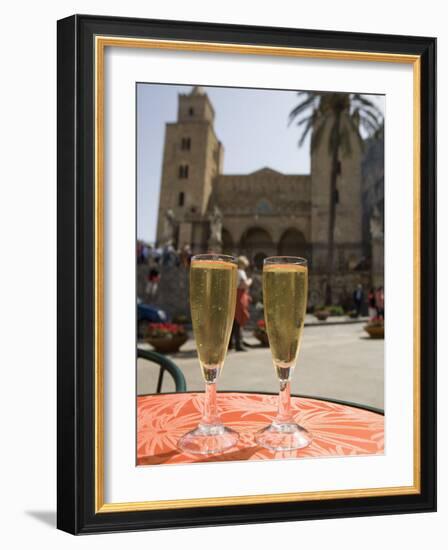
column 337, row 429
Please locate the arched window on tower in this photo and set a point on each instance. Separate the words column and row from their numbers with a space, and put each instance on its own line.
column 185, row 144
column 181, row 199
column 191, row 111
column 183, row 171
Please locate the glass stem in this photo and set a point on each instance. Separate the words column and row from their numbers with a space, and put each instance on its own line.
column 284, row 403
column 210, row 415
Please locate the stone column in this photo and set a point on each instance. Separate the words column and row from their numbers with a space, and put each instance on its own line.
column 377, row 236
column 185, row 234
column 377, row 262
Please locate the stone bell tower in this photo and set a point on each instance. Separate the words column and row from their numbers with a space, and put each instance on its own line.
column 348, row 223
column 192, row 158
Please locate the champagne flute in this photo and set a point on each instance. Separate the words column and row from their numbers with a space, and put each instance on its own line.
column 285, row 290
column 213, row 279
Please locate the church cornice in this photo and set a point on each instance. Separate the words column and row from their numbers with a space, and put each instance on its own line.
column 276, row 176
column 266, row 170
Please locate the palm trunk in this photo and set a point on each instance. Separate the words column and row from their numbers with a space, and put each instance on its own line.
column 332, row 210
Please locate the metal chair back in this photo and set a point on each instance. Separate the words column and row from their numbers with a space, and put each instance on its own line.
column 165, row 365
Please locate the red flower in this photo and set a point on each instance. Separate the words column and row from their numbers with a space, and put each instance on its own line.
column 261, row 323
column 163, row 329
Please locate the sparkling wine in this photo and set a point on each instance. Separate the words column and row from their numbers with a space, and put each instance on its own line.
column 212, row 303
column 285, row 290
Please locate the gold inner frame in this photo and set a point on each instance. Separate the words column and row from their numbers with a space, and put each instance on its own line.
column 101, row 42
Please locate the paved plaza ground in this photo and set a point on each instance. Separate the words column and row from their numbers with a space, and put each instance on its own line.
column 337, row 361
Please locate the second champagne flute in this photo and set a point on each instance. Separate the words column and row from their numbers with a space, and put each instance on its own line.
column 212, row 302
column 285, row 291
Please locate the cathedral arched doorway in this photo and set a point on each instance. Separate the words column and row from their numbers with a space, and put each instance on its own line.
column 257, row 244
column 292, row 243
column 228, row 246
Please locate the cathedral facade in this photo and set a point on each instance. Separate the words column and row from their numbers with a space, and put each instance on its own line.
column 263, row 213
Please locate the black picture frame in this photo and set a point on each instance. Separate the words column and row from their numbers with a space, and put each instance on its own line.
column 76, row 256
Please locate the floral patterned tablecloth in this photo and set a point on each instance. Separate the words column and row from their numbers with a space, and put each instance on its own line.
column 337, row 429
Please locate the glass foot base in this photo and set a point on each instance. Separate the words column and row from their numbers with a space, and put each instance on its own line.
column 283, row 437
column 207, row 440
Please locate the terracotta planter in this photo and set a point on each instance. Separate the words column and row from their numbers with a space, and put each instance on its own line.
column 375, row 331
column 322, row 315
column 171, row 344
column 262, row 337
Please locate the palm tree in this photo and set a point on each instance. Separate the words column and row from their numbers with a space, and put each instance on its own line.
column 344, row 115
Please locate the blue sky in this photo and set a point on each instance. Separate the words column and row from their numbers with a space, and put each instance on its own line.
column 252, row 125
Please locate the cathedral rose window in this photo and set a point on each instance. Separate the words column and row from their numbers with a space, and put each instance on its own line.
column 263, row 207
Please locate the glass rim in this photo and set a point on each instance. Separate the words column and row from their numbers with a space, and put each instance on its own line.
column 215, row 257
column 298, row 260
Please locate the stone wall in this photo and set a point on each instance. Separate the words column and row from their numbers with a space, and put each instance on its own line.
column 377, row 262
column 172, row 293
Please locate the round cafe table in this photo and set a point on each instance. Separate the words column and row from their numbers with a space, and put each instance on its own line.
column 337, row 429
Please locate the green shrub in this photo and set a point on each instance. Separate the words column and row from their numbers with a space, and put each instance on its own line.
column 336, row 311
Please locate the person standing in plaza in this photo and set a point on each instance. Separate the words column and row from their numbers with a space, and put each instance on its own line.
column 153, row 279
column 358, row 298
column 379, row 299
column 371, row 303
column 242, row 304
column 185, row 256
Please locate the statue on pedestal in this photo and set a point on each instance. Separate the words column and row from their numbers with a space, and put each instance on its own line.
column 215, row 240
column 169, row 227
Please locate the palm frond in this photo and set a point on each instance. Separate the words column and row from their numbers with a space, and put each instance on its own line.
column 375, row 121
column 366, row 102
column 305, row 119
column 305, row 131
column 367, row 106
column 368, row 126
column 303, row 106
column 310, row 122
column 321, row 109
